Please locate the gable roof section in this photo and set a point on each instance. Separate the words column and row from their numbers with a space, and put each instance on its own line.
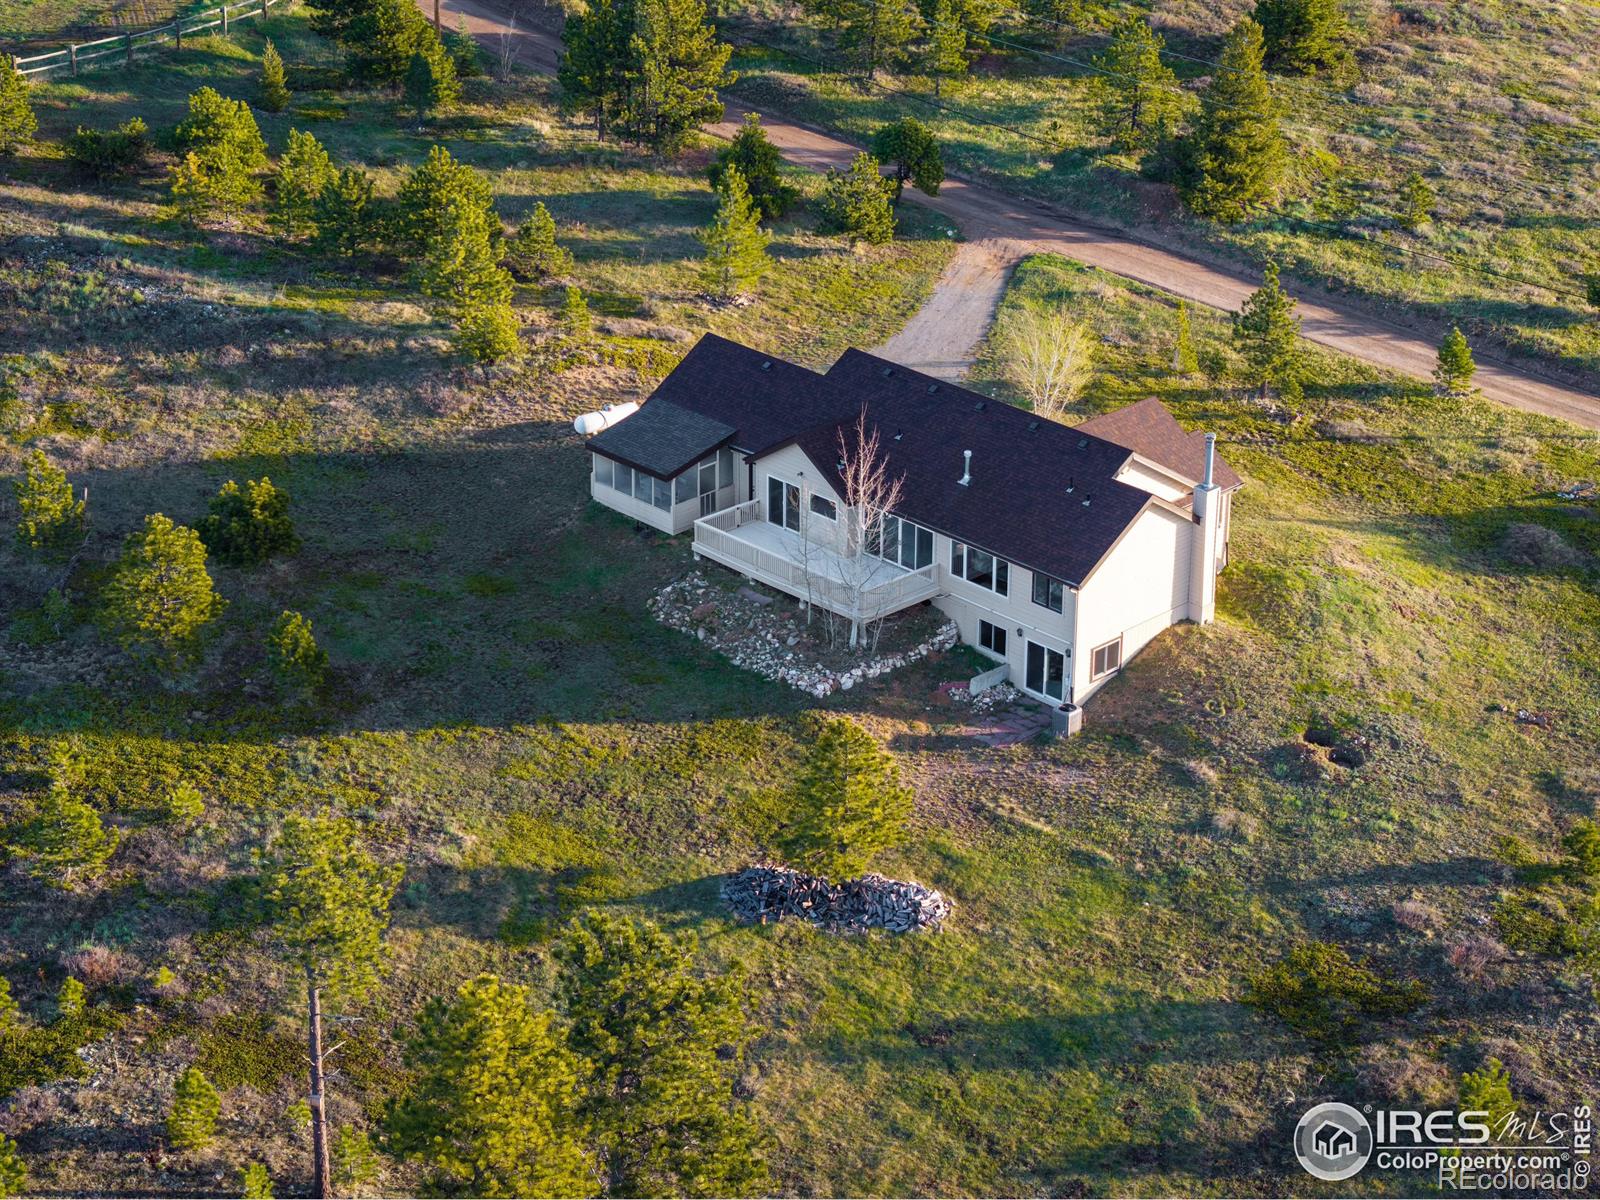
column 662, row 438
column 1017, row 504
column 766, row 399
column 1151, row 432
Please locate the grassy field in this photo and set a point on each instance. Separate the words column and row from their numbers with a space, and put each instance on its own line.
column 50, row 20
column 508, row 722
column 1494, row 103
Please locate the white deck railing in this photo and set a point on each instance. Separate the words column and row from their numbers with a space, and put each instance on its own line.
column 715, row 537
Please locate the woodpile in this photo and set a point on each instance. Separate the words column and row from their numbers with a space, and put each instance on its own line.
column 767, row 892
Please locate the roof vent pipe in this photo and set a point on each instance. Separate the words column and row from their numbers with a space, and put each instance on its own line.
column 1211, row 458
column 966, row 467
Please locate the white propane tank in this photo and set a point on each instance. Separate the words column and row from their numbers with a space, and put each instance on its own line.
column 592, row 423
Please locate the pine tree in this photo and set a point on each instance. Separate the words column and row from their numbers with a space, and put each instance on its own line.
column 50, row 517
column 664, row 1047
column 680, row 67
column 1416, row 199
column 876, row 34
column 1453, row 375
column 649, row 70
column 17, row 122
column 255, row 1183
column 355, row 1161
column 1184, row 359
column 184, row 805
column 192, row 1122
column 534, row 252
column 246, row 526
column 460, row 267
column 160, row 595
column 945, row 57
column 912, row 152
column 297, row 662
column 274, row 83
column 211, row 184
column 1304, row 36
column 758, row 160
column 72, row 1000
column 1488, row 1091
column 575, row 322
column 431, row 83
column 596, row 63
column 13, row 1171
column 1267, row 333
column 217, row 126
column 381, row 37
column 736, row 245
column 425, row 197
column 848, row 804
column 344, row 214
column 494, row 1107
column 304, row 172
column 329, row 901
column 464, row 49
column 1139, row 101
column 857, row 203
column 1233, row 160
column 66, row 841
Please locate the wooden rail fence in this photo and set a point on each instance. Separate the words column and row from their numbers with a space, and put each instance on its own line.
column 122, row 47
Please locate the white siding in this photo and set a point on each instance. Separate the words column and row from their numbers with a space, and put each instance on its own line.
column 1150, row 478
column 1141, row 588
column 792, row 465
column 967, row 604
column 680, row 518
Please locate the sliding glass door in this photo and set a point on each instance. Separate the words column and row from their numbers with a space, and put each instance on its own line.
column 783, row 503
column 1047, row 671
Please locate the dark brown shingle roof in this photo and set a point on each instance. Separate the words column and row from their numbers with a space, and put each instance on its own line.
column 1150, row 431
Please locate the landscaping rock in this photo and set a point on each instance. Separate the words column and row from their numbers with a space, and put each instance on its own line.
column 754, row 633
column 768, row 892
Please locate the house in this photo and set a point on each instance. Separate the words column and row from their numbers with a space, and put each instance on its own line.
column 1060, row 551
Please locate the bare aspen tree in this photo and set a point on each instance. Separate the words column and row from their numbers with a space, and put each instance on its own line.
column 870, row 494
column 1049, row 356
column 508, row 49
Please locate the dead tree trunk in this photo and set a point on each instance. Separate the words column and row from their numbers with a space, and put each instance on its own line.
column 320, row 1172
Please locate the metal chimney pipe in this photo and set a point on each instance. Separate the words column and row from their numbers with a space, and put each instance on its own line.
column 1211, row 458
column 966, row 467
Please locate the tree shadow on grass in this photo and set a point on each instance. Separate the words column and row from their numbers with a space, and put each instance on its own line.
column 469, row 583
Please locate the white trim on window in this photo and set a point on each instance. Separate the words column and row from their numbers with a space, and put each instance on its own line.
column 1111, row 660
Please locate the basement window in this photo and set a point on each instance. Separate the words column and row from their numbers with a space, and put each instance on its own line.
column 1105, row 659
column 992, row 638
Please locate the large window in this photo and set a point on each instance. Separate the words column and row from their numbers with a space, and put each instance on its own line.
column 992, row 638
column 645, row 488
column 1047, row 592
column 824, row 508
column 980, row 567
column 1047, row 671
column 1105, row 659
column 899, row 541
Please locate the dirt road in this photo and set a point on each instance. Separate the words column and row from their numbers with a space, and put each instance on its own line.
column 1001, row 229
